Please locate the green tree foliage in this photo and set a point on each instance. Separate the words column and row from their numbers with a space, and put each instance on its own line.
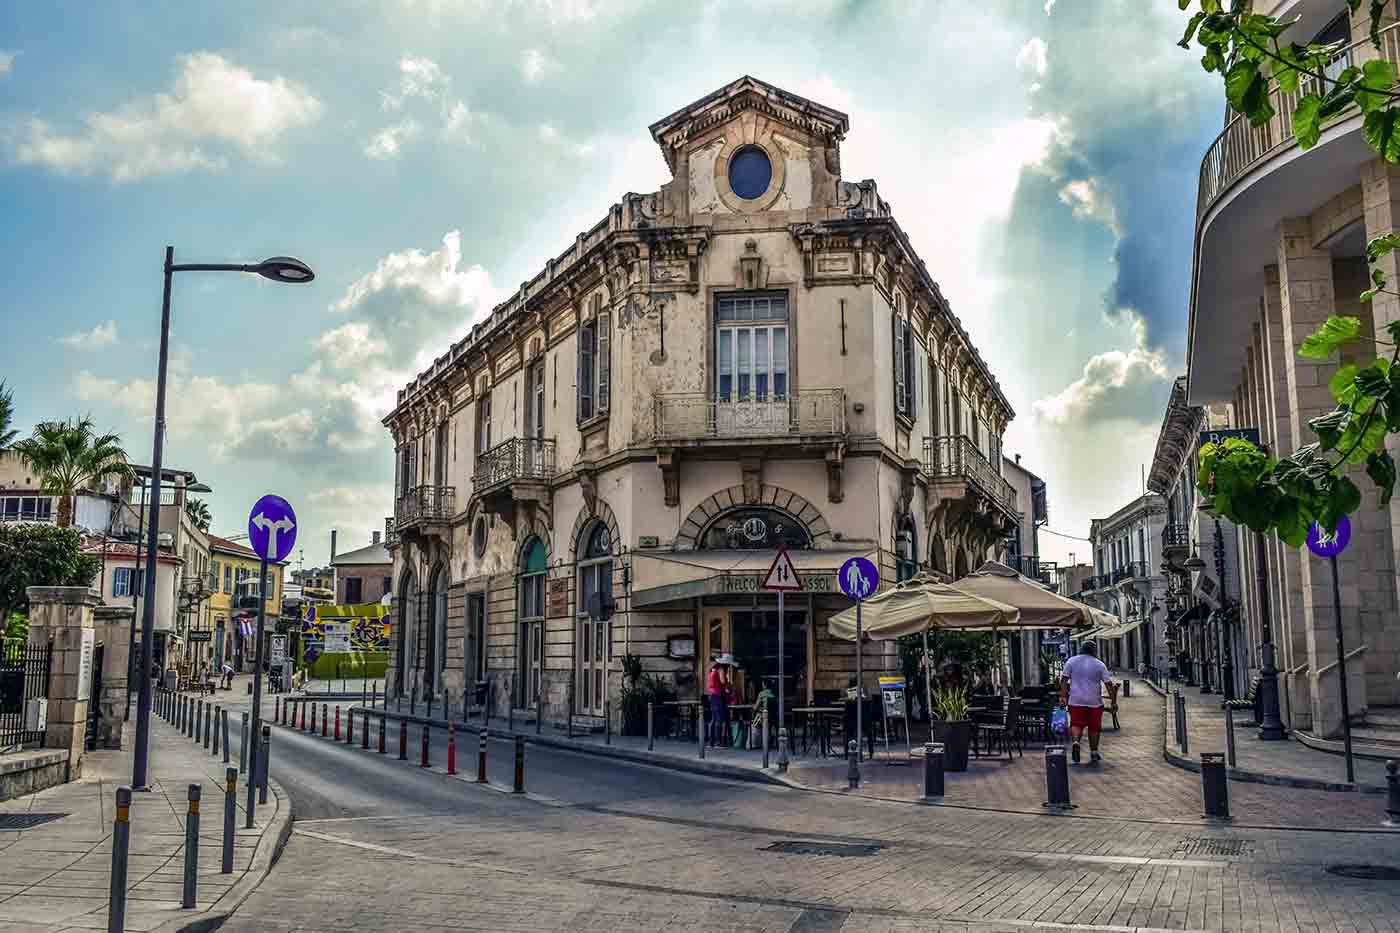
column 70, row 456
column 198, row 511
column 8, row 432
column 1248, row 485
column 40, row 555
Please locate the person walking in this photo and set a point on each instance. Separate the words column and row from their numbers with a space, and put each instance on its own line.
column 1081, row 686
column 717, row 693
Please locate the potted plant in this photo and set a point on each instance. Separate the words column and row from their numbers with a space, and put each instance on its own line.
column 952, row 727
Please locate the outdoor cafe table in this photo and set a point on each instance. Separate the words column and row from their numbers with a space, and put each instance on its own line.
column 680, row 705
column 824, row 715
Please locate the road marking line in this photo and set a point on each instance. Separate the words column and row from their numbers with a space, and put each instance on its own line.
column 403, row 853
column 361, row 819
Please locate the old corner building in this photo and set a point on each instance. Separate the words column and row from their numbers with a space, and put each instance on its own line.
column 752, row 355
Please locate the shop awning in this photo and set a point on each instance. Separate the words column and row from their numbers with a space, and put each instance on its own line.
column 919, row 605
column 1039, row 607
column 665, row 577
column 1119, row 630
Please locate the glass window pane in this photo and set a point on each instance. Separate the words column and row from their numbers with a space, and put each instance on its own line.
column 761, row 362
column 780, row 362
column 744, row 360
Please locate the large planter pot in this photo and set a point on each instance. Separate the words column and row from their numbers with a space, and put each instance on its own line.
column 956, row 737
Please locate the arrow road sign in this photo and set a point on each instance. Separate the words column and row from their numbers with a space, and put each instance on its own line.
column 272, row 528
column 782, row 576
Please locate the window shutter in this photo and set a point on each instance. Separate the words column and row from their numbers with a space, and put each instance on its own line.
column 899, row 376
column 585, row 372
column 604, row 358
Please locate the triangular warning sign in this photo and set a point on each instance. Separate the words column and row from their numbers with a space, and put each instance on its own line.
column 782, row 575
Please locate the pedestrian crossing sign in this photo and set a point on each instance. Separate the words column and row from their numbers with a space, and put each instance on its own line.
column 782, row 576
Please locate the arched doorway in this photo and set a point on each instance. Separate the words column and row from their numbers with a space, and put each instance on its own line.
column 595, row 575
column 436, row 630
column 407, row 611
column 938, row 554
column 960, row 569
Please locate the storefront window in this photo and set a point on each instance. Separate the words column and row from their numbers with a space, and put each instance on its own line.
column 755, row 529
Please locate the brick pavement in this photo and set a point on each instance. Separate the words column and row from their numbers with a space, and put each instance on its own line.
column 56, row 876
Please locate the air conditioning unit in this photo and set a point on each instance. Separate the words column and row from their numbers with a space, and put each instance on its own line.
column 36, row 714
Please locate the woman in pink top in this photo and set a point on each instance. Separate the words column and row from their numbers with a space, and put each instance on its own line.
column 716, row 692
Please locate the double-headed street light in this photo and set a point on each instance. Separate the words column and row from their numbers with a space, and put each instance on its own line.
column 283, row 269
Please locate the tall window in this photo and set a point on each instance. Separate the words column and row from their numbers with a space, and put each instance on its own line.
column 936, row 420
column 125, row 582
column 534, row 400
column 751, row 347
column 354, row 590
column 594, row 362
column 483, row 420
column 906, row 379
column 440, row 455
column 1142, row 548
column 595, row 571
column 228, row 578
column 533, row 565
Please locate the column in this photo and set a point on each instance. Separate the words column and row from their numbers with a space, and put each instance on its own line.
column 112, row 630
column 61, row 618
column 1307, row 296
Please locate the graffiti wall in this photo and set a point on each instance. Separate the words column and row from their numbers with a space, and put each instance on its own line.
column 328, row 629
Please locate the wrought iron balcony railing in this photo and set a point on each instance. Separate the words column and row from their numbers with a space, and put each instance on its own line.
column 1176, row 536
column 518, row 459
column 1131, row 570
column 957, row 456
column 689, row 416
column 425, row 504
column 1240, row 147
column 391, row 534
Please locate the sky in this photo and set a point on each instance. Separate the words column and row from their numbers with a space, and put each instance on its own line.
column 427, row 156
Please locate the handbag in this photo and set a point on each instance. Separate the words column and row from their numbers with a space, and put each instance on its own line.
column 1059, row 721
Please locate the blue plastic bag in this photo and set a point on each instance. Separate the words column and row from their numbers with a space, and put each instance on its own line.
column 1059, row 721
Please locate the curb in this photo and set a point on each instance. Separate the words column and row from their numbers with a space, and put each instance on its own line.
column 706, row 768
column 1333, row 747
column 264, row 857
column 1245, row 776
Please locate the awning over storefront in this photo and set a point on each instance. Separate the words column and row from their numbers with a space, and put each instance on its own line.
column 1119, row 630
column 918, row 605
column 666, row 577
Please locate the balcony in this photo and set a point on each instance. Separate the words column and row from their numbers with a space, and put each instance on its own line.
column 1044, row 572
column 391, row 534
column 1176, row 542
column 696, row 424
column 964, row 487
column 1132, row 570
column 1241, row 147
column 424, row 509
column 517, row 470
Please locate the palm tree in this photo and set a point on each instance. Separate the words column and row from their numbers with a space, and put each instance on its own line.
column 68, row 457
column 198, row 511
column 7, row 416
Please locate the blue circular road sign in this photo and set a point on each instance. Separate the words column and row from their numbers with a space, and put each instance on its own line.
column 1330, row 545
column 858, row 578
column 272, row 528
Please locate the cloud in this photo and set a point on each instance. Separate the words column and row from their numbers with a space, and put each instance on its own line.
column 1088, row 200
column 388, row 142
column 1032, row 57
column 418, row 77
column 424, row 96
column 7, row 61
column 213, row 103
column 1116, row 384
column 103, row 335
column 350, row 344
column 1049, row 5
column 534, row 65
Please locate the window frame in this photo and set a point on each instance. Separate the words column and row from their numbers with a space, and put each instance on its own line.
column 593, row 374
column 768, row 381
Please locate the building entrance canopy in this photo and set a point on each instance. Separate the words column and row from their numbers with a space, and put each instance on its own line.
column 669, row 577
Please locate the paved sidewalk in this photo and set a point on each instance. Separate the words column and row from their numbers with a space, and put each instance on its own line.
column 56, row 875
column 1287, row 761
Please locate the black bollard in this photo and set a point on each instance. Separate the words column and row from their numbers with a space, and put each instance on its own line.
column 364, row 736
column 191, row 849
column 223, row 729
column 218, row 715
column 1056, row 779
column 230, row 811
column 382, row 719
column 208, row 722
column 1127, row 687
column 607, row 721
column 403, row 740
column 424, row 762
column 121, row 845
column 519, row 786
column 1215, row 786
column 481, row 759
column 1392, row 797
column 933, row 772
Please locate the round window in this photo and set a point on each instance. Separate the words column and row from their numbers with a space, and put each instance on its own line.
column 479, row 536
column 750, row 172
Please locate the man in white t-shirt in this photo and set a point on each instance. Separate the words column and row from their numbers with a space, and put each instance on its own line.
column 1081, row 687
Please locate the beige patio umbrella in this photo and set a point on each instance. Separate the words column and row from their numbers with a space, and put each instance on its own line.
column 1039, row 607
column 916, row 606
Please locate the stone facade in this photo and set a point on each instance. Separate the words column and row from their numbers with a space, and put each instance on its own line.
column 752, row 354
column 61, row 617
column 1127, row 583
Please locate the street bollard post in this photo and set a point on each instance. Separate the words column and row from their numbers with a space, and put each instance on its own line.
column 263, row 762
column 403, row 740
column 1392, row 795
column 191, row 849
column 451, row 748
column 302, row 707
column 121, row 846
column 193, row 732
column 1127, row 687
column 933, row 772
column 607, row 721
column 218, row 717
column 1056, row 779
column 313, row 718
column 765, row 737
column 325, row 710
column 519, row 785
column 364, row 734
column 277, row 710
column 571, row 708
column 413, row 701
column 651, row 736
column 382, row 719
column 374, row 695
column 1185, row 736
column 180, row 713
column 510, row 716
column 852, row 765
column 243, row 747
column 337, row 722
column 1215, row 787
column 700, row 729
column 481, row 757
column 224, row 730
column 230, row 811
column 208, row 724
column 1229, row 736
column 350, row 726
column 424, row 762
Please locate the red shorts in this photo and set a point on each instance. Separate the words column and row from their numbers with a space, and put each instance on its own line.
column 1086, row 717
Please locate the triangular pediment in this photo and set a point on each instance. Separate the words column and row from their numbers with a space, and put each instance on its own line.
column 673, row 132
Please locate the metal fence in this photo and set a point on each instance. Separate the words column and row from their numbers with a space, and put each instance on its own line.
column 24, row 678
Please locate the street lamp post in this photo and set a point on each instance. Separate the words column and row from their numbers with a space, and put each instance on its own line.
column 278, row 269
column 1223, row 616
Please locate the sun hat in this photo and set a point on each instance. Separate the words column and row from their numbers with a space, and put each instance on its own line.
column 726, row 659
